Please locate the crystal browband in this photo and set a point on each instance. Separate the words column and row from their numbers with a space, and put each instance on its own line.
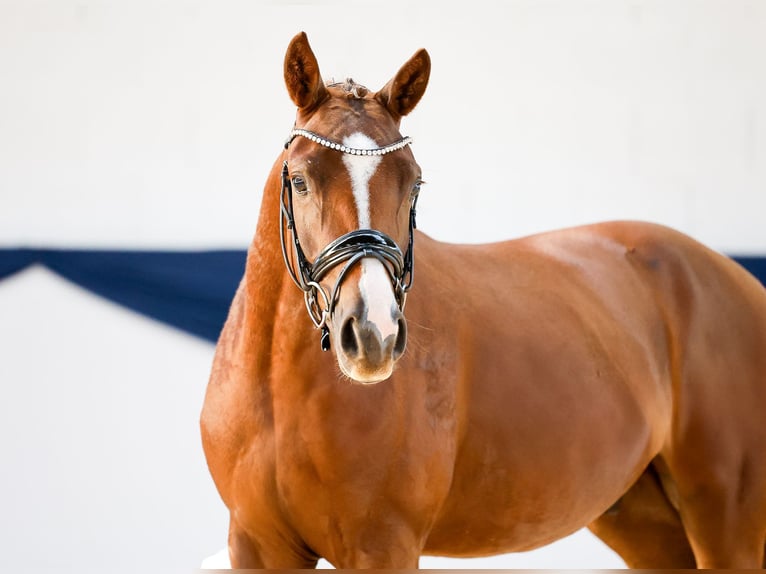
column 405, row 141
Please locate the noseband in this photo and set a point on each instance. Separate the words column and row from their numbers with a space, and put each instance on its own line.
column 346, row 250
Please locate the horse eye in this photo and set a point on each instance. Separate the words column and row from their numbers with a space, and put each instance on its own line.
column 416, row 187
column 299, row 185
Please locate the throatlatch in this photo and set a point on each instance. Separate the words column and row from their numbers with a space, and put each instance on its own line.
column 347, row 249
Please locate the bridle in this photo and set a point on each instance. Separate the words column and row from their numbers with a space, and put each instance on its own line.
column 347, row 249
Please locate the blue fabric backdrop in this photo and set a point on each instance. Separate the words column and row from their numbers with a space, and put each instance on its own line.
column 190, row 290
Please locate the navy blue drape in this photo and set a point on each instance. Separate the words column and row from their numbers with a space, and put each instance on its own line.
column 756, row 266
column 190, row 290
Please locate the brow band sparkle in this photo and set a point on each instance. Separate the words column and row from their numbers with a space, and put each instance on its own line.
column 397, row 145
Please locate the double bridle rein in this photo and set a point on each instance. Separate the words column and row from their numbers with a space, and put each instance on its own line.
column 347, row 249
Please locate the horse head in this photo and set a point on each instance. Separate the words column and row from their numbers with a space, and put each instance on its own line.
column 349, row 188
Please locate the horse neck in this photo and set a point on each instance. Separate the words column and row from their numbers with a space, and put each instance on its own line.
column 271, row 312
column 267, row 287
column 265, row 272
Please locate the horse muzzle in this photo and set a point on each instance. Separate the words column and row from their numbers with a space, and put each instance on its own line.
column 364, row 313
column 371, row 337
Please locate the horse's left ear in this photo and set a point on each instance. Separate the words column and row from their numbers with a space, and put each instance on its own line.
column 404, row 91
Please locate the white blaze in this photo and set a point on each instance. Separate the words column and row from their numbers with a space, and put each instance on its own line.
column 375, row 284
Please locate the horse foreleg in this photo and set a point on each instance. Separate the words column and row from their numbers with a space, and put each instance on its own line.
column 245, row 552
column 356, row 560
column 644, row 529
column 388, row 545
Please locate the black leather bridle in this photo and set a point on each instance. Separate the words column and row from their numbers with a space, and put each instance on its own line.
column 346, row 250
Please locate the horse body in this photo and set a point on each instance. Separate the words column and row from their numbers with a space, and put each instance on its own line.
column 610, row 375
column 604, row 348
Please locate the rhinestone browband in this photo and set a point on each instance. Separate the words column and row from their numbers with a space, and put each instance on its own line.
column 405, row 141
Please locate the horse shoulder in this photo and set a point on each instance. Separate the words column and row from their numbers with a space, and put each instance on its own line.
column 236, row 419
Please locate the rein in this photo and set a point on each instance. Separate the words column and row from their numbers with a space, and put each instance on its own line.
column 346, row 250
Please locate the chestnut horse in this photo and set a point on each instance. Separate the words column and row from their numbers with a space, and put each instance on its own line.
column 610, row 376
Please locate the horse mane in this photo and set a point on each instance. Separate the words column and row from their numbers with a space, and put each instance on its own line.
column 350, row 87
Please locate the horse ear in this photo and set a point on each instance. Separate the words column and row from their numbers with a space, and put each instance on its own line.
column 302, row 77
column 404, row 91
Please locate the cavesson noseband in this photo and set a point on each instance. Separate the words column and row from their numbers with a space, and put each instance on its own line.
column 347, row 249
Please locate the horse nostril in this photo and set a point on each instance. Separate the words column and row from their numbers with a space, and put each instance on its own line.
column 348, row 340
column 401, row 338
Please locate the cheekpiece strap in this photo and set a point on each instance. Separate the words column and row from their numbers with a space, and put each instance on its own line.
column 397, row 145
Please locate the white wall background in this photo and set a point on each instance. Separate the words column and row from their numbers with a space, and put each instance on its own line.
column 153, row 124
column 150, row 122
